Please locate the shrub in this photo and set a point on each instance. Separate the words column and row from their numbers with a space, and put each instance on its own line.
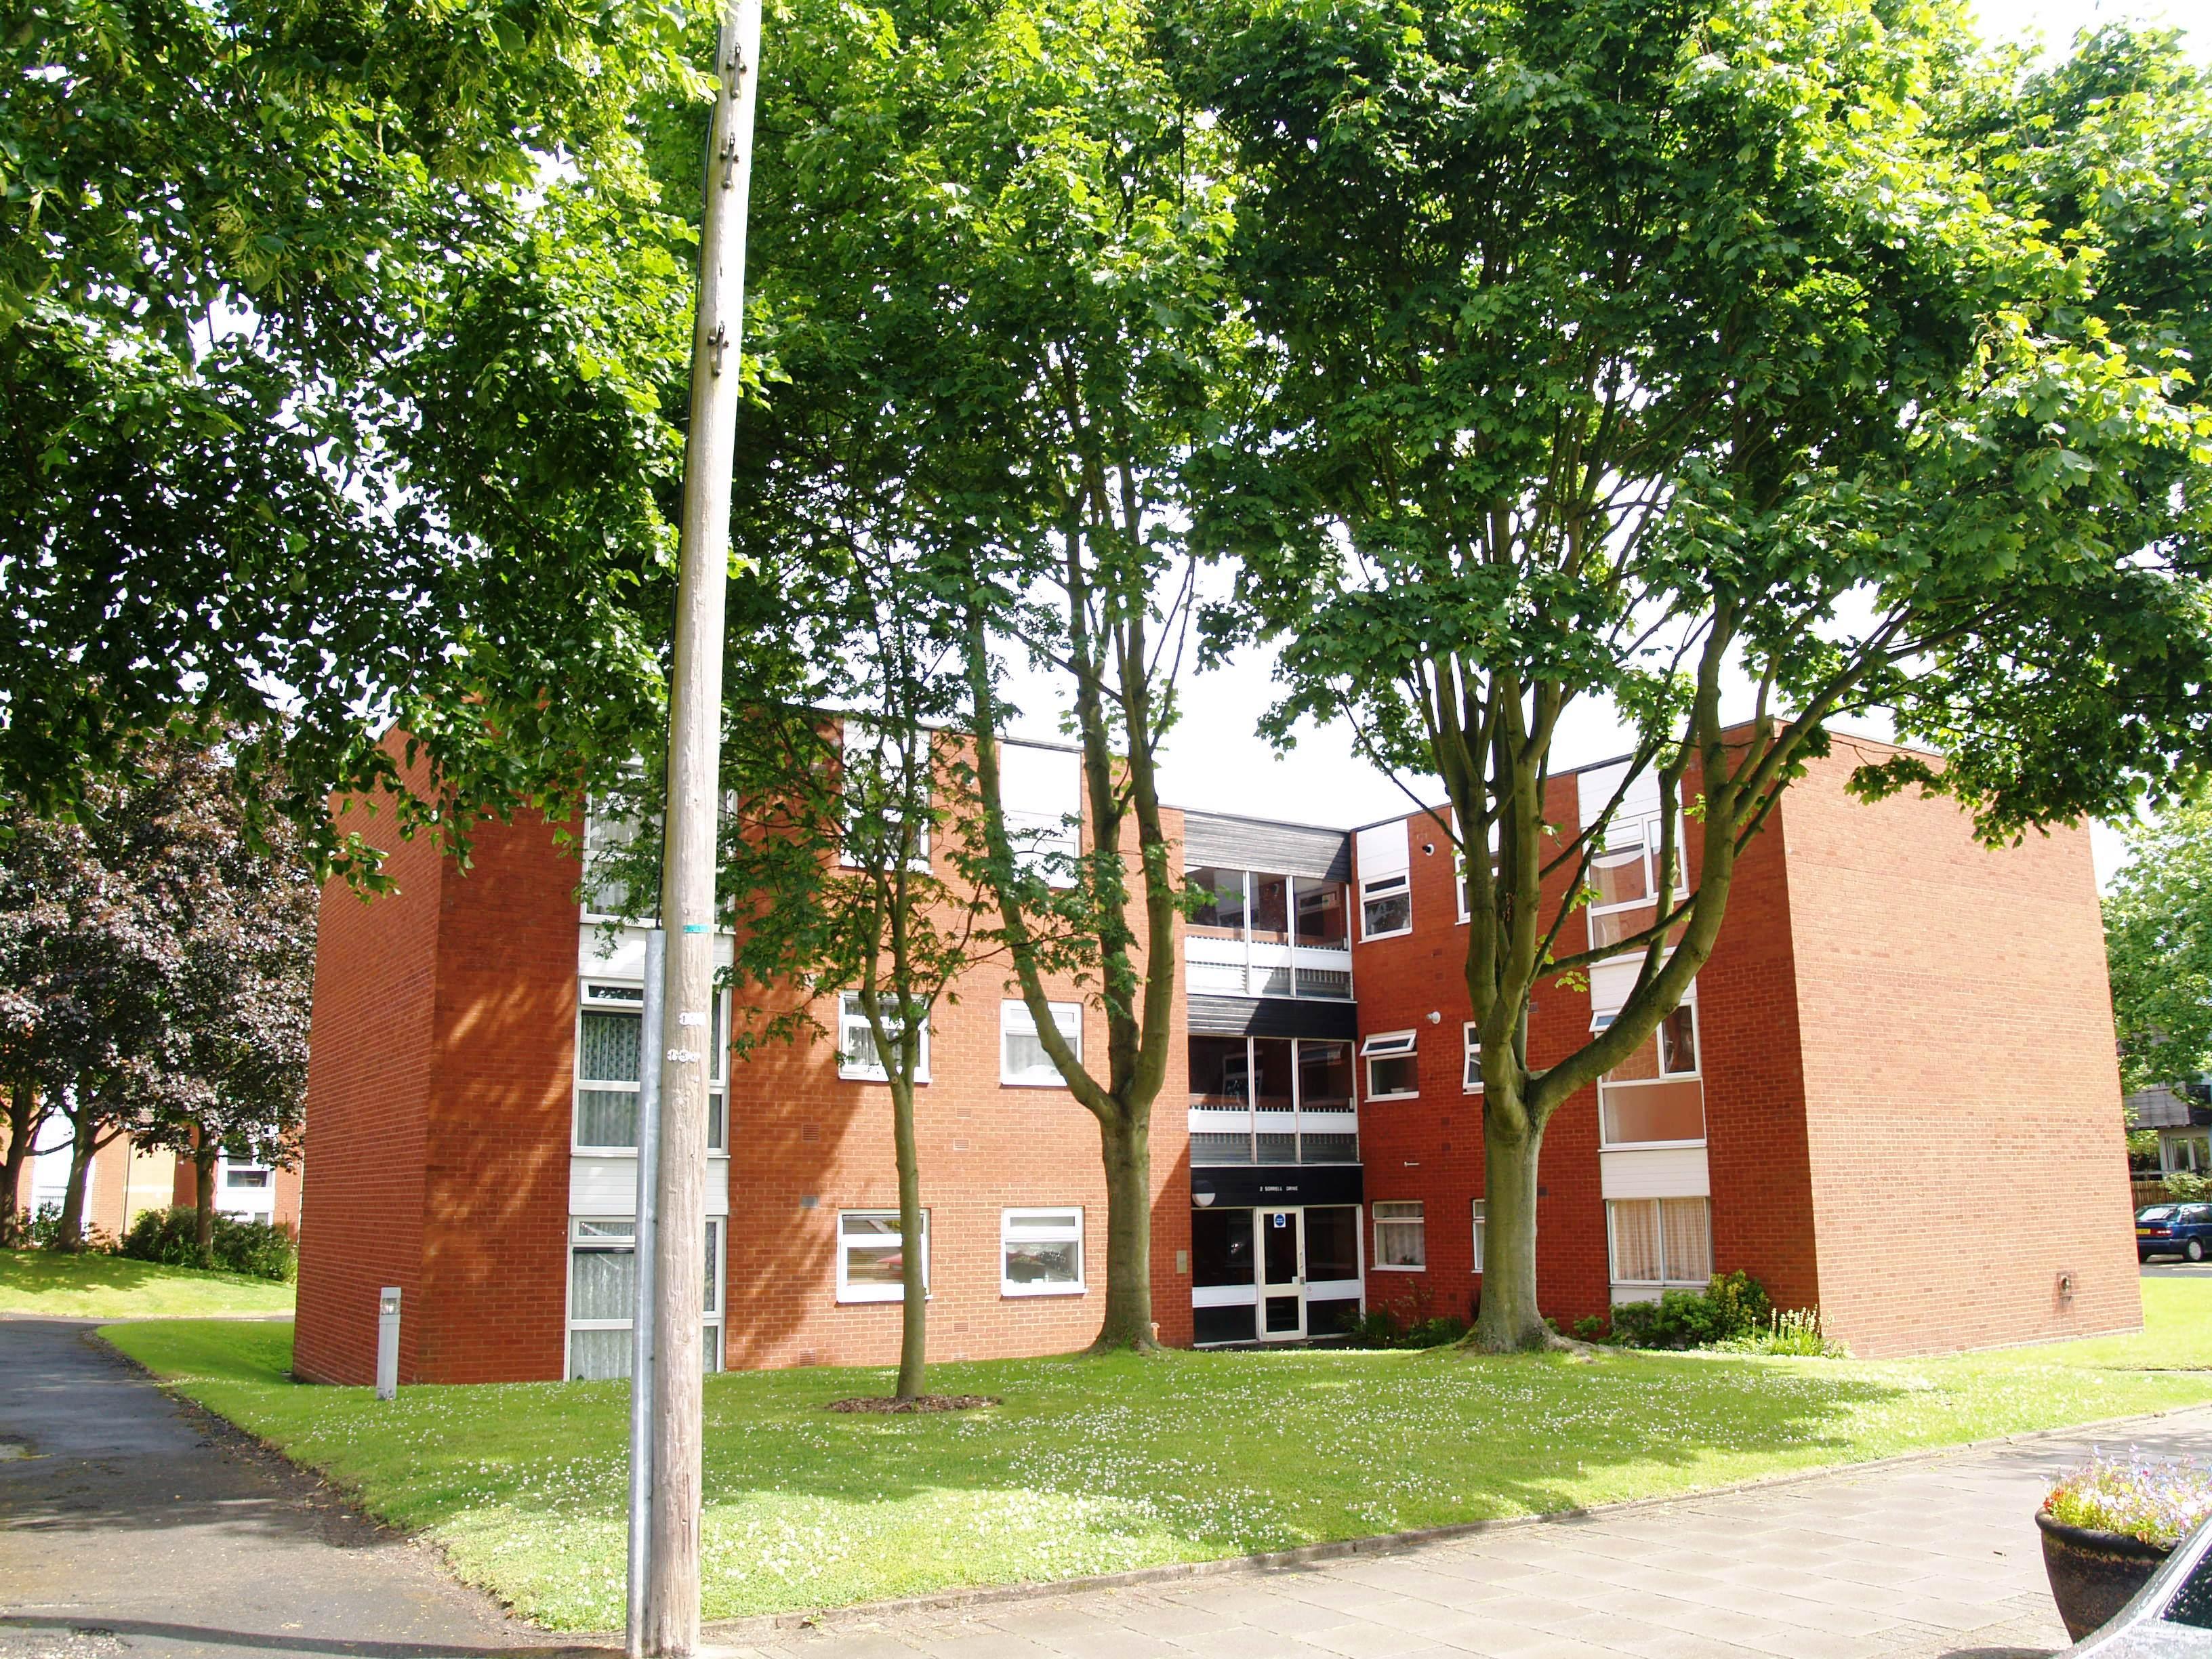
column 1410, row 1323
column 43, row 1231
column 1796, row 1332
column 2156, row 1499
column 2184, row 1188
column 1731, row 1304
column 260, row 1249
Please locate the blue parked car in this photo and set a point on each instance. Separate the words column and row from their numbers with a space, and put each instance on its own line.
column 2182, row 1229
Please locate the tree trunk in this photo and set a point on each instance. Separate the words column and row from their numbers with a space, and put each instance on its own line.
column 913, row 1322
column 1127, row 1149
column 25, row 1118
column 70, row 1235
column 205, row 1153
column 1510, row 1320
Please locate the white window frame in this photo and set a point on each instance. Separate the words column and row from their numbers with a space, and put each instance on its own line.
column 713, row 1318
column 1480, row 1213
column 850, row 1013
column 1646, row 826
column 612, row 996
column 1470, row 1081
column 1666, row 1280
column 1014, row 1020
column 1399, row 1217
column 1383, row 887
column 1696, row 1074
column 1041, row 1216
column 1390, row 1045
column 848, row 1292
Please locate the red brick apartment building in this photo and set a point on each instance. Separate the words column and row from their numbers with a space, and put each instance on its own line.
column 1896, row 1024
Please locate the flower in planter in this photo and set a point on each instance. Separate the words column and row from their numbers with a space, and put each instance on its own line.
column 2156, row 1499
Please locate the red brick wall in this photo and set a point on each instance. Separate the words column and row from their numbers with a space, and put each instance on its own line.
column 1430, row 1149
column 370, row 1063
column 1963, row 1098
column 801, row 1131
column 1756, row 1152
column 496, row 1218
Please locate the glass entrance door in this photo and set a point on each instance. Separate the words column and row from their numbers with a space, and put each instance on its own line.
column 1282, row 1274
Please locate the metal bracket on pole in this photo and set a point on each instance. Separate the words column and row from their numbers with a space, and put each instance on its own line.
column 641, row 1318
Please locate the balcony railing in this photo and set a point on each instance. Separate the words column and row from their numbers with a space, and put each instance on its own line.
column 1228, row 966
column 1223, row 1131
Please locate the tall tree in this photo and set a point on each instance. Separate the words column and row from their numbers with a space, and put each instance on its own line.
column 2158, row 943
column 161, row 956
column 334, row 373
column 1623, row 351
column 995, row 220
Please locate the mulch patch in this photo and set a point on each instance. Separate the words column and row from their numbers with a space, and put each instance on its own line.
column 922, row 1402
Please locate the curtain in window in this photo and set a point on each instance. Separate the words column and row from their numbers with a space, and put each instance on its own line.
column 1636, row 1258
column 1688, row 1225
column 608, row 1050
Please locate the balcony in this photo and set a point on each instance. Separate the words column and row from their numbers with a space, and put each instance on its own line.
column 1221, row 964
column 1224, row 1130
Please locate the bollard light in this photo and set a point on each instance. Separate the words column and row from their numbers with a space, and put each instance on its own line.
column 387, row 1343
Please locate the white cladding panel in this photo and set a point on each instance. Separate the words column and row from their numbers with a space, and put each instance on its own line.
column 1595, row 787
column 1045, row 782
column 1655, row 1172
column 608, row 1185
column 1383, row 851
column 622, row 956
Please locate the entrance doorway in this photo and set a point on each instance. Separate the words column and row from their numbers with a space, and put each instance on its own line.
column 1282, row 1274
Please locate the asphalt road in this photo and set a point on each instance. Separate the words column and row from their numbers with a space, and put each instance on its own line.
column 2163, row 1269
column 132, row 1525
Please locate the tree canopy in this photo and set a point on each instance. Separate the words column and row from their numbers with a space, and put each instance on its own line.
column 2158, row 945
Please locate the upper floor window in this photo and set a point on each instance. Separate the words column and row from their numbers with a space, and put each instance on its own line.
column 1041, row 794
column 1218, row 902
column 1022, row 1056
column 859, row 1059
column 1386, row 900
column 885, row 783
column 1656, row 1094
column 610, row 1048
column 1624, row 878
column 1393, row 1070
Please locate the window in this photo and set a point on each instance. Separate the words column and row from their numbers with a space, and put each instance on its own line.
column 1022, row 1058
column 1217, row 902
column 1393, row 1073
column 883, row 784
column 1386, row 907
column 1659, row 1241
column 607, row 838
column 1041, row 1252
column 609, row 1047
column 1655, row 1095
column 235, row 1176
column 1471, row 1078
column 1481, row 1222
column 603, row 1292
column 1386, row 904
column 857, row 1057
column 871, row 1256
column 1041, row 794
column 1624, row 878
column 1400, row 1235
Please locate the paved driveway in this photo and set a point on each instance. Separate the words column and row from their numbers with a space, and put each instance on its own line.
column 136, row 1527
column 1916, row 1560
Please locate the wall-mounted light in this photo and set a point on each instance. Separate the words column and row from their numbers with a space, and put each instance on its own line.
column 1435, row 1018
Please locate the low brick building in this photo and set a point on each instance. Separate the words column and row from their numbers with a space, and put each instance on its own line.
column 1894, row 1017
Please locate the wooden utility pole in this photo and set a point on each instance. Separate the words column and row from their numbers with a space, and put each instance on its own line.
column 687, row 879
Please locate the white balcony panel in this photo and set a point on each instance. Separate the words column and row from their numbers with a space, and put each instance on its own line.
column 1219, row 1121
column 608, row 1185
column 1204, row 947
column 1329, row 1123
column 1215, row 979
column 1332, row 1290
column 1222, row 1296
column 1278, row 1123
column 1655, row 1172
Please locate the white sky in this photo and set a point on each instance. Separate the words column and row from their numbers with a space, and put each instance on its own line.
column 1214, row 761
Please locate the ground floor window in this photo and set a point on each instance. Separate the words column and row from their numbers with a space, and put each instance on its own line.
column 1400, row 1235
column 1659, row 1241
column 603, row 1289
column 1482, row 1223
column 1041, row 1252
column 871, row 1256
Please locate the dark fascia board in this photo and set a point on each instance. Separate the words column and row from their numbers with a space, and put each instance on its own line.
column 1273, row 1017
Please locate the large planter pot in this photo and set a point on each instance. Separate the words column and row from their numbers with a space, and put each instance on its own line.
column 2093, row 1574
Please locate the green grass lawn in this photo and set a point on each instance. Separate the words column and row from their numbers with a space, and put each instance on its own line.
column 109, row 1287
column 1092, row 1466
